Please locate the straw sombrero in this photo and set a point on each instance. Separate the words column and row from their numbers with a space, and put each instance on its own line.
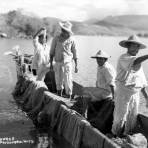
column 132, row 39
column 66, row 25
column 101, row 54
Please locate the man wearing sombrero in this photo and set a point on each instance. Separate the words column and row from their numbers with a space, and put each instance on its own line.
column 105, row 80
column 63, row 50
column 40, row 62
column 100, row 107
column 130, row 81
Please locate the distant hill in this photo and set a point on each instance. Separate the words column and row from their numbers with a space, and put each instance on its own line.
column 21, row 25
column 84, row 28
column 134, row 23
column 24, row 25
column 137, row 22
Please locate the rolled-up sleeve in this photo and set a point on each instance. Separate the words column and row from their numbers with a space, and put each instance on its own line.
column 53, row 46
column 74, row 50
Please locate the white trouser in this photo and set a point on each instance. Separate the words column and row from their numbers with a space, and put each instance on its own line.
column 126, row 110
column 41, row 72
column 63, row 76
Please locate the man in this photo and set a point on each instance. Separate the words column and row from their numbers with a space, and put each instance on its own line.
column 100, row 109
column 130, row 81
column 105, row 83
column 63, row 51
column 41, row 54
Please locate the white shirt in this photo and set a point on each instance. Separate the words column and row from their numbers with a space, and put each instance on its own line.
column 129, row 75
column 105, row 76
column 63, row 50
column 41, row 54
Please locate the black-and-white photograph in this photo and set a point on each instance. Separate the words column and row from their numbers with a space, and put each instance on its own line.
column 73, row 73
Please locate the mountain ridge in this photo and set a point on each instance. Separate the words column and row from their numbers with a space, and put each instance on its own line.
column 18, row 24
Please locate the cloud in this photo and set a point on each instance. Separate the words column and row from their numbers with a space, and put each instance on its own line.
column 65, row 9
column 137, row 6
column 77, row 9
column 98, row 9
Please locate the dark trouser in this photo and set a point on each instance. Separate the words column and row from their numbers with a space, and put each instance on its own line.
column 100, row 114
column 34, row 72
column 29, row 68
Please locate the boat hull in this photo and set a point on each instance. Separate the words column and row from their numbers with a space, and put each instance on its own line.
column 47, row 110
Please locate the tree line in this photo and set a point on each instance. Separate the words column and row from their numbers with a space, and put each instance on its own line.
column 20, row 25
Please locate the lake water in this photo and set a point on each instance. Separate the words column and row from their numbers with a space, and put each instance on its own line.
column 86, row 46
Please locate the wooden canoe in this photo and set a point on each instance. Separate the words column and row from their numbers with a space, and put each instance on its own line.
column 39, row 101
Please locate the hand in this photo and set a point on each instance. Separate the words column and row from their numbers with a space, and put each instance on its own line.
column 43, row 31
column 76, row 69
column 47, row 66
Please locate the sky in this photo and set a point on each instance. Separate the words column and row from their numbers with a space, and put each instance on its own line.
column 79, row 10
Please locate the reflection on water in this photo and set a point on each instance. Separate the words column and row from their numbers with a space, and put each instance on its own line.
column 6, row 78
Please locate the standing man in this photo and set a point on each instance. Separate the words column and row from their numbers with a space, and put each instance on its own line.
column 63, row 51
column 130, row 81
column 41, row 54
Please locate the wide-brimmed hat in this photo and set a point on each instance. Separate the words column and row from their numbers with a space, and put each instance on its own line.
column 101, row 54
column 134, row 40
column 66, row 25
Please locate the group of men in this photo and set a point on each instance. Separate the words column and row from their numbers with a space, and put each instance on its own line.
column 122, row 85
column 62, row 50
